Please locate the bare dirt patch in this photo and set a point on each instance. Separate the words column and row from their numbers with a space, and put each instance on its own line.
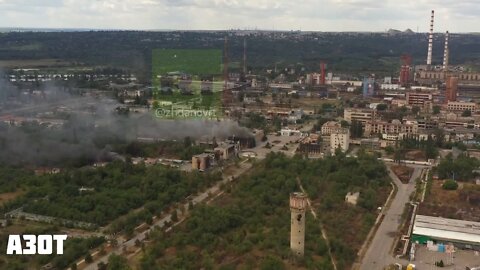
column 402, row 172
column 416, row 155
column 457, row 204
column 5, row 197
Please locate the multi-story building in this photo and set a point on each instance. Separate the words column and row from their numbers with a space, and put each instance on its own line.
column 417, row 98
column 426, row 124
column 330, row 127
column 395, row 127
column 361, row 115
column 461, row 106
column 340, row 139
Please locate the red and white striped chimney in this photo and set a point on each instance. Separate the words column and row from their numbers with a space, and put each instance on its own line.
column 445, row 53
column 430, row 40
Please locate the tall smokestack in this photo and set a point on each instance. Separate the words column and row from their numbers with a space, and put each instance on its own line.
column 430, row 40
column 445, row 53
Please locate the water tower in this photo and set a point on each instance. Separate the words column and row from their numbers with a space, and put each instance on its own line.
column 298, row 205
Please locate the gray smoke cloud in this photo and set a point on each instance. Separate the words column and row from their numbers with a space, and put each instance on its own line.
column 90, row 128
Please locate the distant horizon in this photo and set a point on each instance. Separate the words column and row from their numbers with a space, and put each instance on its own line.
column 220, row 15
column 85, row 29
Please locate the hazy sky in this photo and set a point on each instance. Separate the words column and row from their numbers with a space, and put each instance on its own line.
column 318, row 15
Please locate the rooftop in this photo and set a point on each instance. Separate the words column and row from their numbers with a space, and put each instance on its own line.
column 448, row 229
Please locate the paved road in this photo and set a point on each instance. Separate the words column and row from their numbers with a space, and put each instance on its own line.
column 378, row 254
column 161, row 223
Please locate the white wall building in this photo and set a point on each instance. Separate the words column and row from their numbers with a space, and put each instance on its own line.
column 340, row 139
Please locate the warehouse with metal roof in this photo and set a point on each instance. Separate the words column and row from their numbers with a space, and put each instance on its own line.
column 461, row 233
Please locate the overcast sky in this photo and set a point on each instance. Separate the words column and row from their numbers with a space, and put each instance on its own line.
column 317, row 15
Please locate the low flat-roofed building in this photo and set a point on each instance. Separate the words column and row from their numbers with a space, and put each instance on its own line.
column 462, row 233
column 461, row 106
column 289, row 132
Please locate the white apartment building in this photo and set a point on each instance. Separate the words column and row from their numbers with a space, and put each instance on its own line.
column 340, row 139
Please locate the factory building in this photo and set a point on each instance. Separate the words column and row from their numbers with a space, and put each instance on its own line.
column 432, row 76
column 462, row 234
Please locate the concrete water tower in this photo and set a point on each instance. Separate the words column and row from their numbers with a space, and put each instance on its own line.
column 298, row 206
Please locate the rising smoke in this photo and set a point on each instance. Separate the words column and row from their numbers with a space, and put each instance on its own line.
column 90, row 129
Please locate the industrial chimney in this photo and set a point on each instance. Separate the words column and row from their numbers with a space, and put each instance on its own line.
column 298, row 206
column 430, row 41
column 445, row 53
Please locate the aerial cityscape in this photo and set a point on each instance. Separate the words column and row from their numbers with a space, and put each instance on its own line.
column 206, row 145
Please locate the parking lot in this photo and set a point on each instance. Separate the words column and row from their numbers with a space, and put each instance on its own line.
column 459, row 260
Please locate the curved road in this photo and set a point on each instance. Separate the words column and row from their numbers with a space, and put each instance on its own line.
column 378, row 254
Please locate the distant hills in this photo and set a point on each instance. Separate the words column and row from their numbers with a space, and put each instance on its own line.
column 350, row 52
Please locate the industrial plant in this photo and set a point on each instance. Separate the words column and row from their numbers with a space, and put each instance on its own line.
column 179, row 149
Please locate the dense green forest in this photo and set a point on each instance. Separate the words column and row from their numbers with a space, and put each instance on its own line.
column 250, row 226
column 344, row 52
column 117, row 189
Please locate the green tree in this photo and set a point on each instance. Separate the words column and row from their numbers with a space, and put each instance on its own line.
column 436, row 109
column 382, row 107
column 344, row 124
column 88, row 258
column 116, row 262
column 450, row 185
column 174, row 216
column 467, row 113
column 389, row 150
column 415, row 110
column 356, row 129
column 272, row 263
